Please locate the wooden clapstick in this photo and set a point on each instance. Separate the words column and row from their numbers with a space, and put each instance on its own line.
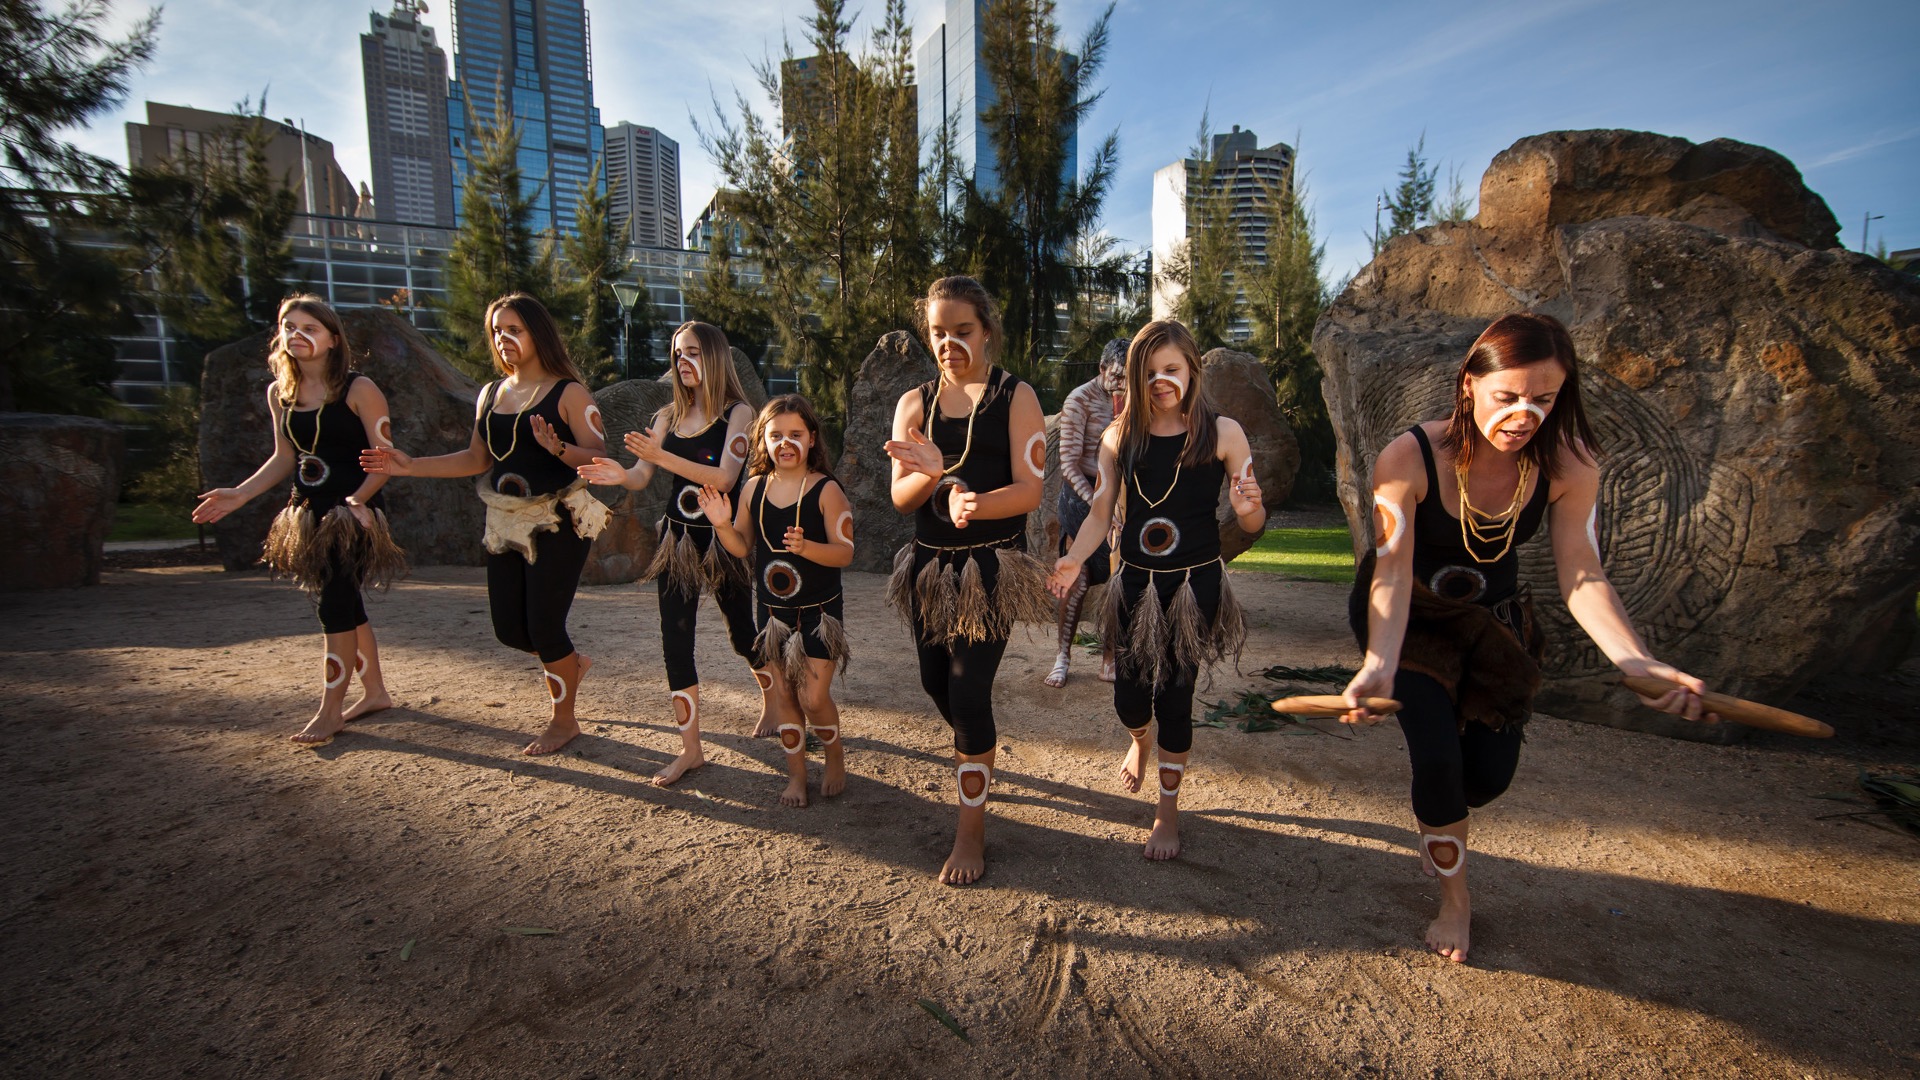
column 1330, row 705
column 1738, row 710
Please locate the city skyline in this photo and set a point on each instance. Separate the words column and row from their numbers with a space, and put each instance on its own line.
column 1353, row 87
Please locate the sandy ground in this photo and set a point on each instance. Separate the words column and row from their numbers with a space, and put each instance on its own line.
column 186, row 895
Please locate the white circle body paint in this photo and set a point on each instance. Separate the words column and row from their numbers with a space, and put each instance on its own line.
column 827, row 735
column 383, row 431
column 595, row 422
column 843, row 526
column 693, row 709
column 335, row 664
column 359, row 662
column 556, row 687
column 1396, row 529
column 1036, row 454
column 985, row 775
column 737, row 448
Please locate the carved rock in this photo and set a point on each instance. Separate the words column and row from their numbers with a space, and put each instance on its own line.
column 1752, row 395
column 897, row 364
column 1242, row 390
column 59, row 481
column 431, row 402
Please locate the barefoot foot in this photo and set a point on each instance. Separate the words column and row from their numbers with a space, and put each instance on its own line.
column 1057, row 678
column 795, row 793
column 967, row 862
column 319, row 731
column 1133, row 765
column 1448, row 934
column 1164, row 841
column 688, row 761
column 768, row 727
column 833, row 780
column 368, row 704
column 558, row 734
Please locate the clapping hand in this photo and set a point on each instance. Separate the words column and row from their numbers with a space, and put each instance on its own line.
column 796, row 540
column 643, row 445
column 916, row 454
column 714, row 504
column 546, row 436
column 603, row 471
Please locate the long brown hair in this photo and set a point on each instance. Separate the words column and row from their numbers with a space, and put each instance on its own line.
column 719, row 382
column 286, row 370
column 1513, row 341
column 547, row 341
column 759, row 462
column 967, row 291
column 1203, row 428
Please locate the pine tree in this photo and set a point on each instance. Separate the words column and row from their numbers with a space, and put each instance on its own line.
column 1411, row 205
column 494, row 251
column 1457, row 204
column 592, row 259
column 1202, row 270
column 1017, row 231
column 1285, row 296
column 59, row 301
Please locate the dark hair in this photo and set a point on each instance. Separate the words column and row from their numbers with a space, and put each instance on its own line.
column 286, row 373
column 1115, row 353
column 1515, row 341
column 759, row 462
column 547, row 342
column 1202, row 427
column 967, row 291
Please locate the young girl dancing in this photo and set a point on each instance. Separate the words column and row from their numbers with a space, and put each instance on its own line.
column 1174, row 612
column 531, row 429
column 332, row 537
column 969, row 455
column 797, row 523
column 700, row 438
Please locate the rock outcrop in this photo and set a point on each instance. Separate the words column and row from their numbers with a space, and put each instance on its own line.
column 431, row 402
column 897, row 364
column 1752, row 387
column 59, row 481
column 1241, row 389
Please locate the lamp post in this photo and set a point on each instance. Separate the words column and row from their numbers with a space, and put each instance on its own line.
column 1865, row 220
column 627, row 294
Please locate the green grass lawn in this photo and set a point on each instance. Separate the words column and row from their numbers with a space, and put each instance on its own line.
column 144, row 521
column 1303, row 554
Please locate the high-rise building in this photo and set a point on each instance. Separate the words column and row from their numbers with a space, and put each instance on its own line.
column 954, row 83
column 405, row 72
column 1243, row 173
column 535, row 57
column 643, row 182
column 303, row 158
column 714, row 220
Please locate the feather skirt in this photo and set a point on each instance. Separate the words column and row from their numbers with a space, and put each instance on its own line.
column 309, row 552
column 952, row 599
column 1155, row 645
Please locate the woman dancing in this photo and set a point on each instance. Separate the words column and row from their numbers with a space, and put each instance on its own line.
column 1174, row 612
column 969, row 455
column 792, row 494
column 700, row 438
column 532, row 428
column 1084, row 417
column 332, row 537
column 1438, row 605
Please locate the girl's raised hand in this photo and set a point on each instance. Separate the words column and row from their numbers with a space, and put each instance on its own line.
column 916, row 454
column 386, row 460
column 1244, row 493
column 643, row 445
column 714, row 504
column 603, row 471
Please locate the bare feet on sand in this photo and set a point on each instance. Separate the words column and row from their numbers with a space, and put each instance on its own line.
column 320, row 730
column 688, row 761
column 558, row 734
column 1448, row 934
column 1058, row 676
column 969, row 858
column 1164, row 841
column 834, row 780
column 369, row 703
column 795, row 793
column 1133, row 764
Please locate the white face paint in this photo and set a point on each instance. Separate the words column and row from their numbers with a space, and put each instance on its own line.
column 556, row 687
column 291, row 334
column 595, row 423
column 1494, row 421
column 1389, row 526
column 1179, row 385
column 776, row 440
column 940, row 339
column 1036, row 454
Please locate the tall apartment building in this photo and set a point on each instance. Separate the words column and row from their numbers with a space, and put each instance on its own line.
column 304, row 159
column 405, row 72
column 954, row 83
column 1243, row 171
column 535, row 57
column 643, row 181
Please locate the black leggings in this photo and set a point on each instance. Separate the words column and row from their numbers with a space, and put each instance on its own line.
column 959, row 677
column 339, row 605
column 530, row 601
column 677, row 617
column 1133, row 696
column 1452, row 769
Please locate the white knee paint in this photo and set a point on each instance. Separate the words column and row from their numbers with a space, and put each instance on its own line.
column 827, row 735
column 793, row 739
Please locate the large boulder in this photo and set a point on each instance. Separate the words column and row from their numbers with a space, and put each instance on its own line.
column 622, row 551
column 430, row 401
column 59, row 481
column 897, row 364
column 1242, row 390
column 1751, row 385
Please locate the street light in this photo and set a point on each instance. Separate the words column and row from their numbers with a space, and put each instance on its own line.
column 628, row 294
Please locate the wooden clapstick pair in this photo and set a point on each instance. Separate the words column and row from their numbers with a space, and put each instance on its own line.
column 1738, row 710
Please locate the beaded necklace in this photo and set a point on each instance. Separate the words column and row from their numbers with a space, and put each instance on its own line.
column 1154, row 504
column 978, row 408
column 486, row 430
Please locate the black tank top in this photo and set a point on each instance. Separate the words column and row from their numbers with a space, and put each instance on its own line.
column 1170, row 507
column 988, row 464
column 1442, row 562
column 703, row 447
column 782, row 578
column 521, row 465
column 326, row 444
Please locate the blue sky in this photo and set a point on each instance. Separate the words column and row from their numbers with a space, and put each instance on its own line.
column 1831, row 84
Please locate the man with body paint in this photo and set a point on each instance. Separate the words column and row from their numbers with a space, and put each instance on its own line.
column 1438, row 606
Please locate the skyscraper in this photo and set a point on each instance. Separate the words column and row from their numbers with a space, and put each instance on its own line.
column 1243, row 172
column 534, row 55
column 643, row 179
column 954, row 83
column 405, row 72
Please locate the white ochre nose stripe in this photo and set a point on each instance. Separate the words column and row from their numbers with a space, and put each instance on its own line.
column 1539, row 414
